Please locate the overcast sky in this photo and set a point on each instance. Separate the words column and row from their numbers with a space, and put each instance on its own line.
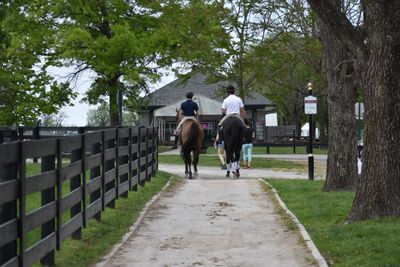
column 76, row 114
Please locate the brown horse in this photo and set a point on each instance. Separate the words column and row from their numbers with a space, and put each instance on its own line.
column 191, row 138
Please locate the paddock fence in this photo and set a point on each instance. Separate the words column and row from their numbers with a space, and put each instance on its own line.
column 79, row 173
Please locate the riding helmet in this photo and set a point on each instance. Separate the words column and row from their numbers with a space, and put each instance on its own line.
column 189, row 94
column 230, row 89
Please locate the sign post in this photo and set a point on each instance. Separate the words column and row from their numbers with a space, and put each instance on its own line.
column 310, row 108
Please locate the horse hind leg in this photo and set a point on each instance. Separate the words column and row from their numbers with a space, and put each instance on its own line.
column 189, row 163
column 228, row 169
column 195, row 162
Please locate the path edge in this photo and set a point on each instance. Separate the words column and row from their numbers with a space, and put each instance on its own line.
column 304, row 234
column 134, row 228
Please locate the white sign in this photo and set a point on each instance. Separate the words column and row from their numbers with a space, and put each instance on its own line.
column 310, row 105
column 271, row 119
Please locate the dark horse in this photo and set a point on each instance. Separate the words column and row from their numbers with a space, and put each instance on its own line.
column 191, row 138
column 233, row 132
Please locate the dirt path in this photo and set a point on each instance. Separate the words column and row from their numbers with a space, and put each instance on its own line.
column 212, row 222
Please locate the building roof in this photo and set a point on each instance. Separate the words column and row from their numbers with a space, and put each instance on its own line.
column 170, row 93
column 206, row 105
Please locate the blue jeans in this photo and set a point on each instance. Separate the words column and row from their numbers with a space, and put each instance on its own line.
column 247, row 149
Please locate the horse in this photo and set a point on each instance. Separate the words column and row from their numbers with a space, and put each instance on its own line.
column 191, row 138
column 233, row 132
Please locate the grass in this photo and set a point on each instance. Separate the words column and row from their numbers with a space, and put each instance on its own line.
column 277, row 150
column 255, row 163
column 98, row 237
column 366, row 243
column 164, row 148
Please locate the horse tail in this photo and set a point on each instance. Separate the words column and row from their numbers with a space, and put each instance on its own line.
column 191, row 142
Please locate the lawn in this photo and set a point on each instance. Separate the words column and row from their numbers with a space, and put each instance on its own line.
column 98, row 237
column 255, row 163
column 367, row 243
column 277, row 150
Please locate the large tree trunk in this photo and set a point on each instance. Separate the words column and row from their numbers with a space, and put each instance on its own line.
column 113, row 94
column 341, row 173
column 378, row 193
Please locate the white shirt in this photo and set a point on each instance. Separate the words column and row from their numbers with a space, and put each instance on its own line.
column 232, row 104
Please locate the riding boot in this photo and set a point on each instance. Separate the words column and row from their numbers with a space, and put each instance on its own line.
column 220, row 133
column 175, row 146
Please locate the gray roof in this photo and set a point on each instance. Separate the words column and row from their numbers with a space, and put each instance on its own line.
column 177, row 89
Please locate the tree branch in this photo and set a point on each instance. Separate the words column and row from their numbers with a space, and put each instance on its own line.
column 338, row 23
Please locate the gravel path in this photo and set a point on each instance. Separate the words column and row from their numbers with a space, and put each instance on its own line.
column 213, row 221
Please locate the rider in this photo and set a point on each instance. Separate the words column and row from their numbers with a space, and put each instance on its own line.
column 190, row 111
column 232, row 106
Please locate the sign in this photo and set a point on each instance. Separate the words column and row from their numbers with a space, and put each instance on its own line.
column 260, row 130
column 310, row 105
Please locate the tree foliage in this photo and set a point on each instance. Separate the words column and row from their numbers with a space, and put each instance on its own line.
column 27, row 90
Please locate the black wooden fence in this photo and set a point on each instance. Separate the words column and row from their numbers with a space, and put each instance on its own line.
column 103, row 166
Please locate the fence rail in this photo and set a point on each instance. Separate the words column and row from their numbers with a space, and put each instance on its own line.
column 102, row 167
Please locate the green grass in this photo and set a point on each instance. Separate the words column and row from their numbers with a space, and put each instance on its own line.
column 255, row 163
column 98, row 237
column 367, row 243
column 277, row 150
column 164, row 148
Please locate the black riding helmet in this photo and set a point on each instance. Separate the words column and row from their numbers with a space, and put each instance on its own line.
column 230, row 89
column 189, row 94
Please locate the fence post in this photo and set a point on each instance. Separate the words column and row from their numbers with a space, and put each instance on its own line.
column 103, row 167
column 135, row 157
column 294, row 141
column 48, row 195
column 157, row 143
column 21, row 203
column 148, row 175
column 95, row 172
column 124, row 160
column 141, row 128
column 130, row 158
column 109, row 165
column 153, row 156
column 36, row 135
column 76, row 155
column 21, row 133
column 8, row 211
column 117, row 180
column 83, row 171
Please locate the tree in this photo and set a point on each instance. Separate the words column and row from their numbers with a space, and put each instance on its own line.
column 342, row 80
column 26, row 88
column 290, row 61
column 53, row 120
column 99, row 117
column 115, row 39
column 221, row 38
column 377, row 59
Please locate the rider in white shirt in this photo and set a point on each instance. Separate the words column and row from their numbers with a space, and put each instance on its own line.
column 232, row 106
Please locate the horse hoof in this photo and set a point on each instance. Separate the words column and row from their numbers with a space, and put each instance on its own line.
column 227, row 175
column 195, row 174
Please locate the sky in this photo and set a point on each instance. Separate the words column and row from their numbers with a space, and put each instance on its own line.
column 76, row 114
